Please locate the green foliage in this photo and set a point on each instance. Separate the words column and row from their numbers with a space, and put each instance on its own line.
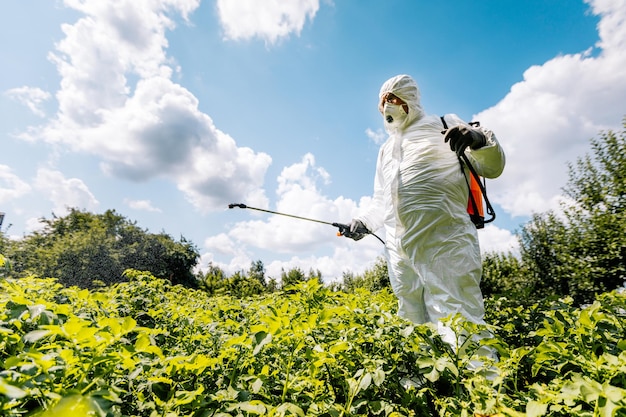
column 569, row 360
column 373, row 279
column 544, row 249
column 257, row 273
column 504, row 276
column 598, row 219
column 147, row 348
column 84, row 248
column 292, row 277
column 581, row 252
column 243, row 284
column 4, row 242
column 215, row 282
column 5, row 266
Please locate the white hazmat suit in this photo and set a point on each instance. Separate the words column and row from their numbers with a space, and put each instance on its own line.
column 420, row 197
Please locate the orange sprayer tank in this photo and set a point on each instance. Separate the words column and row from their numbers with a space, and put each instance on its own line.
column 476, row 194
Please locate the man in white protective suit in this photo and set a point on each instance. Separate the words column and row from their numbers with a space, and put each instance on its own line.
column 420, row 197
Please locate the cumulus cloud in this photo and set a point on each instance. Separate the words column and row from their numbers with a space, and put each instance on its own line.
column 269, row 20
column 377, row 136
column 31, row 97
column 64, row 192
column 547, row 120
column 141, row 205
column 117, row 101
column 11, row 186
column 299, row 193
column 352, row 258
column 493, row 239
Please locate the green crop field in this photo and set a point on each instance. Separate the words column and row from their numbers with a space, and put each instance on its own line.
column 146, row 348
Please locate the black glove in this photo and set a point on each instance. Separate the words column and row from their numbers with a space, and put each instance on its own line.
column 461, row 137
column 357, row 230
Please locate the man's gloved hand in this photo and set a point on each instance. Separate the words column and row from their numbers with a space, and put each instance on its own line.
column 461, row 137
column 357, row 230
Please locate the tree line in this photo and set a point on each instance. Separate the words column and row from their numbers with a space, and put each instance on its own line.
column 88, row 250
column 579, row 251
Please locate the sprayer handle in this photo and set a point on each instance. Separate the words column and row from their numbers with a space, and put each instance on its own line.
column 344, row 230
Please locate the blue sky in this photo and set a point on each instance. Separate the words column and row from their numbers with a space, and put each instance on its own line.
column 169, row 110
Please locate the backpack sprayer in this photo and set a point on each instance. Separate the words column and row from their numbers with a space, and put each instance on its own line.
column 344, row 229
column 477, row 190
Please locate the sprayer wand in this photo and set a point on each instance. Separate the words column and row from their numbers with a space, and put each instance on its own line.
column 344, row 229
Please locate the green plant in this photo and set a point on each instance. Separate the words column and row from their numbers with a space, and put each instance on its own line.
column 148, row 348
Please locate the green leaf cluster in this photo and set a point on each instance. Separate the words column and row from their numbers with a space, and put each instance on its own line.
column 568, row 361
column 148, row 348
column 373, row 279
column 581, row 251
column 86, row 250
column 5, row 266
column 252, row 282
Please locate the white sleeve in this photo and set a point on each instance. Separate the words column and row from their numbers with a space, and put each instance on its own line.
column 373, row 215
column 489, row 160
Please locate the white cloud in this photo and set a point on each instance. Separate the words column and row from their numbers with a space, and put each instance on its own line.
column 11, row 186
column 352, row 258
column 32, row 224
column 270, row 20
column 494, row 239
column 221, row 244
column 224, row 173
column 142, row 205
column 547, row 120
column 152, row 127
column 378, row 136
column 304, row 174
column 64, row 192
column 31, row 97
column 298, row 195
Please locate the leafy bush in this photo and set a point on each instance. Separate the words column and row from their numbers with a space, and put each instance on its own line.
column 580, row 252
column 85, row 249
column 5, row 266
column 147, row 348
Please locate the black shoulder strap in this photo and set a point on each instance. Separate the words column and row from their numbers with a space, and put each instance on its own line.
column 479, row 222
